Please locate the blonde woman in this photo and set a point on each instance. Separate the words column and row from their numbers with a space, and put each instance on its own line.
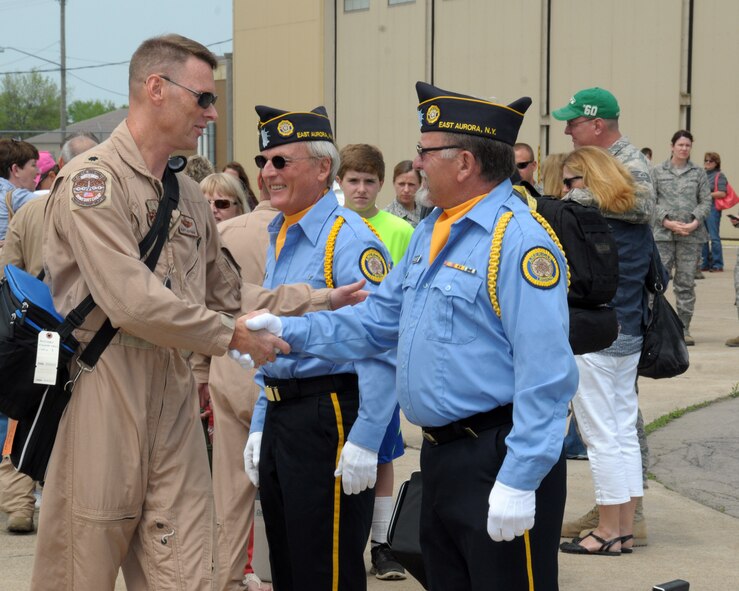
column 551, row 174
column 225, row 194
column 605, row 403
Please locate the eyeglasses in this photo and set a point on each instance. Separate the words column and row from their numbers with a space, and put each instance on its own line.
column 222, row 203
column 577, row 121
column 522, row 165
column 279, row 162
column 568, row 181
column 205, row 99
column 421, row 150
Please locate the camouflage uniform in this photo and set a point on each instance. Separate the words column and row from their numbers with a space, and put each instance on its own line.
column 635, row 162
column 682, row 195
column 642, row 212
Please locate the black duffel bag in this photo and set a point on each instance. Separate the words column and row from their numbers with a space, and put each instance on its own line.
column 27, row 309
column 403, row 535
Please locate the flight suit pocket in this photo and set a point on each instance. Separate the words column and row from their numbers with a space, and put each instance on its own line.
column 451, row 301
column 163, row 546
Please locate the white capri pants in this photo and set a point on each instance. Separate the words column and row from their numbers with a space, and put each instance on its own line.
column 606, row 408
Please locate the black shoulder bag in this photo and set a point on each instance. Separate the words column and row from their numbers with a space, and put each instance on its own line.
column 664, row 353
column 38, row 408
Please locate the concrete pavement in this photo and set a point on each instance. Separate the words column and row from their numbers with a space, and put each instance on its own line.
column 692, row 517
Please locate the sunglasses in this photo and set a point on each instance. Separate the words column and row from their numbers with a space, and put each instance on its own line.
column 707, row 160
column 279, row 162
column 421, row 150
column 222, row 203
column 568, row 181
column 205, row 99
column 522, row 165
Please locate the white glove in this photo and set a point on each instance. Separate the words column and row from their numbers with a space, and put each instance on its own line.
column 357, row 468
column 244, row 360
column 511, row 512
column 251, row 457
column 267, row 321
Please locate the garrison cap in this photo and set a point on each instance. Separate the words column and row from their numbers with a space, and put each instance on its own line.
column 591, row 103
column 441, row 110
column 277, row 127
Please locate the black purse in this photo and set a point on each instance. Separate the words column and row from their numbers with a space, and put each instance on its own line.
column 664, row 352
column 26, row 309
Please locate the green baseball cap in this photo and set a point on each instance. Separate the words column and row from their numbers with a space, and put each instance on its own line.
column 591, row 102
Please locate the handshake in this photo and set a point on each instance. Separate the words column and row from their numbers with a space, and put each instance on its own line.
column 256, row 339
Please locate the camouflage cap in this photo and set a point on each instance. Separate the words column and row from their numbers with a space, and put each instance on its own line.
column 592, row 103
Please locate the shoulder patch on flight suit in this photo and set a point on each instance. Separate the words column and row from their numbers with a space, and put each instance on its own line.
column 373, row 265
column 540, row 268
column 89, row 188
column 188, row 227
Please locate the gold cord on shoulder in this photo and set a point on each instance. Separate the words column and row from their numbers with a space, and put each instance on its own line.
column 328, row 261
column 495, row 248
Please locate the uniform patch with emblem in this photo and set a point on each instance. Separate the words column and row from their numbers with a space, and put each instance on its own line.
column 151, row 210
column 285, row 128
column 89, row 188
column 432, row 114
column 373, row 265
column 188, row 226
column 540, row 268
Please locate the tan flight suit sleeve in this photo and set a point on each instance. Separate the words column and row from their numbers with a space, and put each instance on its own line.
column 105, row 248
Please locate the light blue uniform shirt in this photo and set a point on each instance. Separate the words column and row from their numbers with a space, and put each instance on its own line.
column 456, row 357
column 301, row 261
column 20, row 197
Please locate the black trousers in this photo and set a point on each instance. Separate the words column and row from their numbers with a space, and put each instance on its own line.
column 316, row 534
column 457, row 550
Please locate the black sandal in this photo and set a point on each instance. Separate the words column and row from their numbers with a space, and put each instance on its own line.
column 626, row 539
column 574, row 547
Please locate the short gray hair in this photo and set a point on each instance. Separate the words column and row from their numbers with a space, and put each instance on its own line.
column 496, row 158
column 324, row 149
column 76, row 145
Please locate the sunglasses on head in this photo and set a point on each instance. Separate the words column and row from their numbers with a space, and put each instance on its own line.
column 205, row 99
column 568, row 181
column 221, row 203
column 522, row 165
column 279, row 162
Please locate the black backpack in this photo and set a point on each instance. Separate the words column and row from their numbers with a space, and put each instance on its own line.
column 591, row 251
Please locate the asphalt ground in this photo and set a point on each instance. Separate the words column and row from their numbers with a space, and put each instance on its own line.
column 692, row 509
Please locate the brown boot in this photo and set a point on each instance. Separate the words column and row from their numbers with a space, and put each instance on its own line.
column 587, row 522
column 20, row 524
column 733, row 342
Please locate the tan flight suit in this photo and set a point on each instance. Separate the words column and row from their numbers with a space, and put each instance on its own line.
column 128, row 483
column 22, row 249
column 233, row 394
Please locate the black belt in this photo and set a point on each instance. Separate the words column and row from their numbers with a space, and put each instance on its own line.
column 470, row 426
column 281, row 390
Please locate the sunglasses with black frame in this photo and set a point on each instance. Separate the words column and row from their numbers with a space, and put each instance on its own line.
column 569, row 180
column 222, row 203
column 205, row 99
column 279, row 162
column 522, row 165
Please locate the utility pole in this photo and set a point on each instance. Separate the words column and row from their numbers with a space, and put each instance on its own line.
column 63, row 65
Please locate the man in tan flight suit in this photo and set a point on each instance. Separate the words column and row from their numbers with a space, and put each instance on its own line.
column 128, row 482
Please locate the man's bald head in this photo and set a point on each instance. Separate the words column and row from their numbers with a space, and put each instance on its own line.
column 75, row 146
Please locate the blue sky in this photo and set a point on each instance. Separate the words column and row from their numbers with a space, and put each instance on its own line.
column 100, row 32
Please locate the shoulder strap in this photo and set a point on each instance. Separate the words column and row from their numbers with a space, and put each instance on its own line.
column 9, row 204
column 153, row 242
column 715, row 182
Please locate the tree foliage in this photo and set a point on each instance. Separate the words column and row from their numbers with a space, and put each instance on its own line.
column 28, row 101
column 81, row 110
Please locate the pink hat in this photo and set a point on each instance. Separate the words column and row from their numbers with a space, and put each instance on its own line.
column 45, row 163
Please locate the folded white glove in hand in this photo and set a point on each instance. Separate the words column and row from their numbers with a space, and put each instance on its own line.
column 511, row 512
column 357, row 468
column 269, row 322
column 244, row 360
column 251, row 457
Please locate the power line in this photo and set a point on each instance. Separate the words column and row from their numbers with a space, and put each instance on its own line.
column 44, row 70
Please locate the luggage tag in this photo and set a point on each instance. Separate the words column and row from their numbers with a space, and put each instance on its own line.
column 47, row 358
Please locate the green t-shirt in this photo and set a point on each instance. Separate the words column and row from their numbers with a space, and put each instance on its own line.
column 394, row 232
